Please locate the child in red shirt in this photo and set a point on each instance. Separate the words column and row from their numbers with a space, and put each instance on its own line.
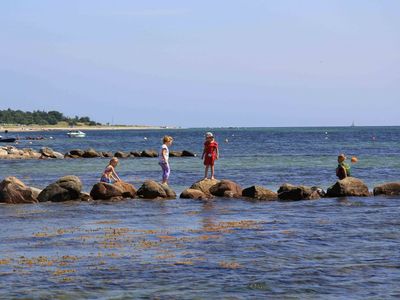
column 210, row 154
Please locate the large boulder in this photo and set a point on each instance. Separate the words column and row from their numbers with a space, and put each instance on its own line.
column 153, row 190
column 134, row 154
column 91, row 153
column 348, row 186
column 204, row 185
column 194, row 194
column 260, row 193
column 391, row 188
column 149, row 153
column 14, row 191
column 3, row 153
column 116, row 191
column 64, row 189
column 47, row 152
column 226, row 188
column 107, row 154
column 77, row 152
column 289, row 192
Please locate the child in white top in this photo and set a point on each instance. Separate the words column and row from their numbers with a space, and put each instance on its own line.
column 164, row 158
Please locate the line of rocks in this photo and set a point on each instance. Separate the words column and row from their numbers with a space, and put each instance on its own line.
column 69, row 188
column 11, row 152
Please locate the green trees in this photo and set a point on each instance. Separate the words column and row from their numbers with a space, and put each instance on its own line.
column 38, row 117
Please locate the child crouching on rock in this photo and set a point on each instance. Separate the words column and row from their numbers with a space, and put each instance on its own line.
column 343, row 169
column 109, row 173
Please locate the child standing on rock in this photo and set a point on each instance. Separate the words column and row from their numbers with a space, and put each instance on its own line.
column 210, row 154
column 109, row 173
column 164, row 158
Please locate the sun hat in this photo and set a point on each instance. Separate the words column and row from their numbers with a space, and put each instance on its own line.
column 341, row 157
column 209, row 134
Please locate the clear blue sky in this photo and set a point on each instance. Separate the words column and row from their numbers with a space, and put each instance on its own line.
column 204, row 63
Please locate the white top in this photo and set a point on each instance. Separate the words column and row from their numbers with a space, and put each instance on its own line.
column 166, row 153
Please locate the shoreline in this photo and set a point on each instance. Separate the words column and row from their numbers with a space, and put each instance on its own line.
column 87, row 128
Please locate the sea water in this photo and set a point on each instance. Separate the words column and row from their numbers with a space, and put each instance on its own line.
column 185, row 249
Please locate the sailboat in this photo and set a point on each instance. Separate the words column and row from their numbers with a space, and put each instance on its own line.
column 352, row 124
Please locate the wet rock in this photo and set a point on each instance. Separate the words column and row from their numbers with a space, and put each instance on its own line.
column 134, row 154
column 194, row 194
column 64, row 189
column 58, row 155
column 204, row 185
column 188, row 153
column 47, row 152
column 106, row 191
column 107, row 154
column 3, row 153
column 85, row 197
column 260, row 193
column 121, row 154
column 391, row 188
column 14, row 191
column 91, row 153
column 175, row 154
column 77, row 152
column 348, row 186
column 226, row 188
column 154, row 190
column 149, row 153
column 128, row 190
column 289, row 192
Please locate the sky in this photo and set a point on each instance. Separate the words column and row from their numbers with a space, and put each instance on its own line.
column 204, row 63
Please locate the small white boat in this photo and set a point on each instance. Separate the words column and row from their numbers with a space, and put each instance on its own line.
column 76, row 133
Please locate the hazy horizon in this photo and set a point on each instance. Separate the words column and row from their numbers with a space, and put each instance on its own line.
column 208, row 64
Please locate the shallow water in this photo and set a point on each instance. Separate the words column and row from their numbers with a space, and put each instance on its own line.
column 185, row 249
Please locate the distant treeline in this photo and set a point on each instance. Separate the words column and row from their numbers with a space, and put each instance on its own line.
column 41, row 118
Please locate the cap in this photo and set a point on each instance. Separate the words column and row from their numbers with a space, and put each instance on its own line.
column 209, row 134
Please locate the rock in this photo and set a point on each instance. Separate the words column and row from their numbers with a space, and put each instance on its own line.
column 188, row 153
column 391, row 188
column 154, row 190
column 77, row 152
column 64, row 189
column 3, row 152
column 348, row 186
column 260, row 193
column 90, row 153
column 67, row 155
column 85, row 197
column 35, row 192
column 226, row 188
column 107, row 154
column 121, row 154
column 14, row 191
column 194, row 194
column 58, row 155
column 291, row 192
column 204, row 185
column 128, row 190
column 47, row 152
column 13, row 150
column 175, row 154
column 149, row 153
column 134, row 154
column 116, row 191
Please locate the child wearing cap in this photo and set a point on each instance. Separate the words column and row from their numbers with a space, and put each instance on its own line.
column 343, row 169
column 210, row 154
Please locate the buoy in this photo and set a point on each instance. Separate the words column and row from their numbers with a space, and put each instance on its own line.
column 145, row 138
column 354, row 159
column 226, row 141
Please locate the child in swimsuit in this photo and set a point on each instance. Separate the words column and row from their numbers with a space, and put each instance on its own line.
column 164, row 158
column 210, row 154
column 109, row 173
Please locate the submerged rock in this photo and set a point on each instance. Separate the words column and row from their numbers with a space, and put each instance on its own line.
column 260, row 193
column 14, row 191
column 64, row 189
column 226, row 188
column 289, row 192
column 349, row 186
column 390, row 188
column 194, row 194
column 153, row 190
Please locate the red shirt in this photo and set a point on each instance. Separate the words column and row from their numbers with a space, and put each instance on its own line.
column 211, row 148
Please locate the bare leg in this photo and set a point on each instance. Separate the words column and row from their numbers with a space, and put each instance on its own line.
column 212, row 172
column 206, row 172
